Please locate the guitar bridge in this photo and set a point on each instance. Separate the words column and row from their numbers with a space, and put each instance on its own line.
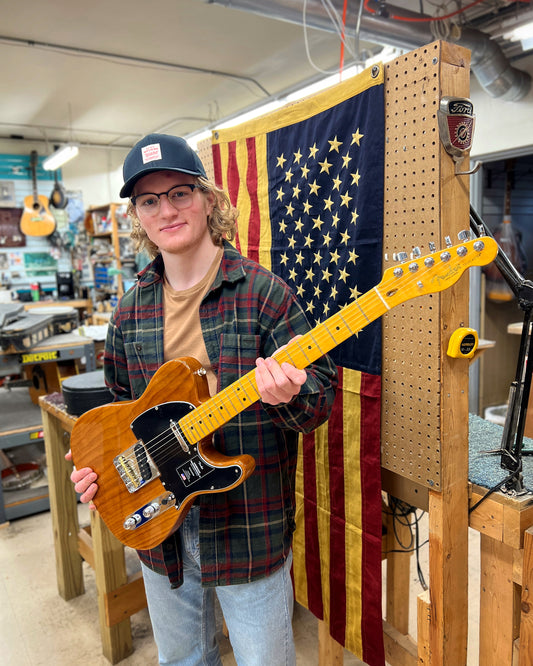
column 135, row 467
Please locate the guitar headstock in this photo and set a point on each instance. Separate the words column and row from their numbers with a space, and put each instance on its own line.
column 436, row 271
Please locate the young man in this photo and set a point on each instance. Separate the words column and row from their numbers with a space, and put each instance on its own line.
column 199, row 297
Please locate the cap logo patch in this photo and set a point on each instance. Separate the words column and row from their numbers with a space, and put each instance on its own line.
column 151, row 153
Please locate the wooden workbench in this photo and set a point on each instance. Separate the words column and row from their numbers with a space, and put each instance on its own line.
column 119, row 597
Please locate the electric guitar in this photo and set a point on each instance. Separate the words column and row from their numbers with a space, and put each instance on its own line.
column 36, row 220
column 154, row 455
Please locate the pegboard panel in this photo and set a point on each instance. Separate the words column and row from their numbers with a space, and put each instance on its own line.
column 424, row 202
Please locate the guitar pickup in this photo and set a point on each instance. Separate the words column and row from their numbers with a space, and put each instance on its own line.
column 135, row 467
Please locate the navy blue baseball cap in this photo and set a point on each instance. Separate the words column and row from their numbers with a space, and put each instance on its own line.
column 159, row 152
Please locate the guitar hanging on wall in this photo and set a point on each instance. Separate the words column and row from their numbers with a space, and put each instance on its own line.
column 36, row 220
column 154, row 455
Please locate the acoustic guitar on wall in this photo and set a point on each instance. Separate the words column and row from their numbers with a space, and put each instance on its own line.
column 36, row 220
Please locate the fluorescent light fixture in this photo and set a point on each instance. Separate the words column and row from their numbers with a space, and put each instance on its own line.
column 60, row 156
column 521, row 33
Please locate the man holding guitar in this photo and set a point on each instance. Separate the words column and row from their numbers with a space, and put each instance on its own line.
column 200, row 298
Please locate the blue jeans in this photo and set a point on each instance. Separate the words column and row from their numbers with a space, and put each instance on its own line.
column 258, row 615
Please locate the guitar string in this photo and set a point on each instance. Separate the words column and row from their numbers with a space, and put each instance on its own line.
column 377, row 307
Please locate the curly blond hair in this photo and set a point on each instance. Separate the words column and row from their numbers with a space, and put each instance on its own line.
column 222, row 223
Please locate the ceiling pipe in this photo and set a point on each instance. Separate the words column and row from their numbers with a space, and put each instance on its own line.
column 488, row 63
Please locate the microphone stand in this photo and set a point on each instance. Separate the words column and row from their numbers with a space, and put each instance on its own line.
column 513, row 432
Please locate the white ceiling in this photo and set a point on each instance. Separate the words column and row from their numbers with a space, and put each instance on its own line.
column 106, row 72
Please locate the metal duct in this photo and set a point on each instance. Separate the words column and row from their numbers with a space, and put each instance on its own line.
column 488, row 63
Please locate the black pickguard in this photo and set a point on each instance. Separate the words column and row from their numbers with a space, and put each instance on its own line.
column 182, row 473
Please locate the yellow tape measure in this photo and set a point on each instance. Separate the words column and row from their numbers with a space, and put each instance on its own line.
column 463, row 343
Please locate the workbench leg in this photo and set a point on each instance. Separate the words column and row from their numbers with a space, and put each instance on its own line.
column 526, row 606
column 499, row 603
column 398, row 571
column 110, row 572
column 330, row 652
column 63, row 510
column 448, row 575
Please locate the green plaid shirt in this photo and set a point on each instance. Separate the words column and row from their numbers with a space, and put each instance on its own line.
column 246, row 532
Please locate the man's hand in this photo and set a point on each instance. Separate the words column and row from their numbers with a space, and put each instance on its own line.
column 84, row 481
column 277, row 383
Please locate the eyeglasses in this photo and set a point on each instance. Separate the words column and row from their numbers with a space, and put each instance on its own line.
column 180, row 197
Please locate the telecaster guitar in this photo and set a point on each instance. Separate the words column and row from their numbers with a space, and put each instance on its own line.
column 36, row 220
column 154, row 455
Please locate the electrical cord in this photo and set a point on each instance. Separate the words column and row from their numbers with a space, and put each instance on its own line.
column 401, row 513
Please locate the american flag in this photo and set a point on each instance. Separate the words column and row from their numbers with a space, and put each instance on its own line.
column 308, row 182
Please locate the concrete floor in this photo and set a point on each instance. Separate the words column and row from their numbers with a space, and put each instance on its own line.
column 39, row 628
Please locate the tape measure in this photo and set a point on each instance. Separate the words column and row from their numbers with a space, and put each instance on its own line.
column 463, row 343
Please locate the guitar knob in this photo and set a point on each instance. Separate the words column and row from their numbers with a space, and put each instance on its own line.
column 132, row 522
column 150, row 510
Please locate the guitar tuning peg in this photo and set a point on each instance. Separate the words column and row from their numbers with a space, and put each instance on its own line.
column 402, row 256
column 416, row 252
column 448, row 241
column 464, row 235
column 432, row 246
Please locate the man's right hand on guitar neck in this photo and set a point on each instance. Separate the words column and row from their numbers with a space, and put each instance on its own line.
column 84, row 481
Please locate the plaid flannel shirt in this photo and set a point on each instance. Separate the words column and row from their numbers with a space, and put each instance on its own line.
column 246, row 532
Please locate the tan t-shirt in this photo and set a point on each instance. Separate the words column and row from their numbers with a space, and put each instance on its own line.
column 182, row 331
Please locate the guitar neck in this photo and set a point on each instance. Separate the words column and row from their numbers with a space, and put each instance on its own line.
column 234, row 399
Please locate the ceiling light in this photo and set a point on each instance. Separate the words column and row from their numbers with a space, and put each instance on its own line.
column 60, row 156
column 521, row 33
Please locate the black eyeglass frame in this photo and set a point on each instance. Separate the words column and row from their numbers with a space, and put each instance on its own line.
column 193, row 187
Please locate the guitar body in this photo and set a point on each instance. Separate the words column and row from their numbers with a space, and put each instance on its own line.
column 37, row 220
column 140, row 463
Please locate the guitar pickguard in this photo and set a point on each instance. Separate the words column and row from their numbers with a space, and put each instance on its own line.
column 162, row 451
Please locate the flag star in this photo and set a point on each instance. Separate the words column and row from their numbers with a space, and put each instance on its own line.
column 328, row 203
column 313, row 151
column 307, row 206
column 346, row 159
column 335, row 256
column 280, row 194
column 284, row 258
column 317, row 223
column 292, row 274
column 283, row 226
column 292, row 242
column 344, row 274
column 281, row 161
column 354, row 216
column 345, row 236
column 299, row 224
column 346, row 198
column 327, row 238
column 314, row 187
column 310, row 306
column 326, row 166
column 309, row 275
column 299, row 258
column 318, row 258
column 325, row 307
column 353, row 257
column 335, row 220
column 300, row 290
column 308, row 241
column 334, row 145
column 296, row 191
column 356, row 138
column 355, row 293
column 297, row 156
column 305, row 171
column 318, row 291
column 326, row 275
column 334, row 292
column 355, row 177
column 290, row 209
column 288, row 175
column 336, row 183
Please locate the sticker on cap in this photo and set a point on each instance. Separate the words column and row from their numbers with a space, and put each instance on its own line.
column 151, row 153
